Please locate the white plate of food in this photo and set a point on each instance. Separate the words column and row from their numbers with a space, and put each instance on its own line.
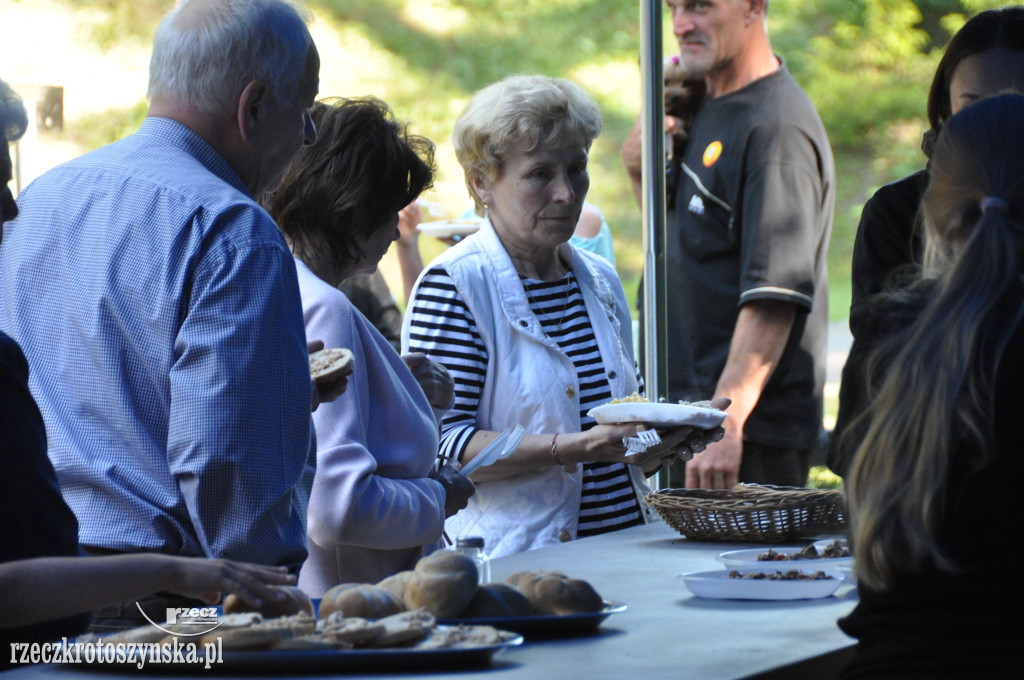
column 783, row 558
column 657, row 414
column 768, row 584
column 449, row 228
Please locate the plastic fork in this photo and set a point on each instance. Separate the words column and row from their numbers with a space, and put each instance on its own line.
column 502, row 446
column 643, row 440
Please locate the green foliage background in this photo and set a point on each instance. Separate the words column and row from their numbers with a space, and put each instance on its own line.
column 866, row 64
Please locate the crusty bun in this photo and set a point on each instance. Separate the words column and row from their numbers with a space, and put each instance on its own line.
column 443, row 583
column 551, row 592
column 497, row 600
column 360, row 600
column 295, row 602
column 395, row 584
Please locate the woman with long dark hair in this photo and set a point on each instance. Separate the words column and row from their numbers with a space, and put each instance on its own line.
column 936, row 465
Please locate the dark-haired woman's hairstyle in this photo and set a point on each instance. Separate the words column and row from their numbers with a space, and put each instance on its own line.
column 363, row 168
column 985, row 30
column 936, row 397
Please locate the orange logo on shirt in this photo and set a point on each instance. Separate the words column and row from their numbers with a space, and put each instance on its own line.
column 712, row 153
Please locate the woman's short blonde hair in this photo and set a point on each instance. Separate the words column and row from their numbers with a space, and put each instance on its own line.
column 521, row 112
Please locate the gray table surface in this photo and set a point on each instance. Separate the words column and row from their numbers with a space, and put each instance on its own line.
column 665, row 631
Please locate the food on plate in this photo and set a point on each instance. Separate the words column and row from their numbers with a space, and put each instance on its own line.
column 142, row 635
column 497, row 600
column 295, row 601
column 834, row 550
column 361, row 600
column 347, row 632
column 635, row 397
column 457, row 637
column 261, row 635
column 402, row 629
column 554, row 593
column 443, row 583
column 330, row 362
column 791, row 575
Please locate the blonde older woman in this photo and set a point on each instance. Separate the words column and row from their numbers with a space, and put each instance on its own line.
column 534, row 331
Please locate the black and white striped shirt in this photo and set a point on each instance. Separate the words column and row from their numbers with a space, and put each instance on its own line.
column 442, row 327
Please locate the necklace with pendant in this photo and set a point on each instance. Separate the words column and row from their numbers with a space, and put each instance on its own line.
column 565, row 305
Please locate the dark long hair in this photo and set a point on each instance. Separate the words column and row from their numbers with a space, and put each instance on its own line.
column 363, row 168
column 936, row 398
column 985, row 30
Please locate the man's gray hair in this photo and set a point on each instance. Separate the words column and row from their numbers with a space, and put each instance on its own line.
column 205, row 52
column 521, row 112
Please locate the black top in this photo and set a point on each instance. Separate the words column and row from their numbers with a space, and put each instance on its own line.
column 886, row 256
column 968, row 624
column 751, row 221
column 34, row 520
column 889, row 241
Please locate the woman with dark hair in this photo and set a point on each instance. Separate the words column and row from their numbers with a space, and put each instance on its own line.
column 936, row 458
column 985, row 57
column 376, row 498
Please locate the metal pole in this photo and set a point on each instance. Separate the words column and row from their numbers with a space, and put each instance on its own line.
column 654, row 234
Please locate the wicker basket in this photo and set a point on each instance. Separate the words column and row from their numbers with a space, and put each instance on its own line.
column 750, row 512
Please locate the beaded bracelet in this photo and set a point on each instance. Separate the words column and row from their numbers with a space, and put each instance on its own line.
column 554, row 449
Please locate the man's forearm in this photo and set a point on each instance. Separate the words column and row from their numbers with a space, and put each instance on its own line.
column 759, row 338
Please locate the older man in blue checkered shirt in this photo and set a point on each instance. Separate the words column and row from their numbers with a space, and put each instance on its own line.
column 159, row 307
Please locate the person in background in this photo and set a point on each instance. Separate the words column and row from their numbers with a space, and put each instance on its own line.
column 159, row 307
column 985, row 57
column 376, row 500
column 370, row 294
column 534, row 331
column 749, row 220
column 593, row 233
column 935, row 467
column 46, row 587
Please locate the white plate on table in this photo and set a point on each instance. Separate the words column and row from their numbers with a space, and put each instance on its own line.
column 748, row 560
column 658, row 414
column 718, row 585
column 449, row 228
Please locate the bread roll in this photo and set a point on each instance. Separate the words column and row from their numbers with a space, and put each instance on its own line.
column 294, row 602
column 497, row 600
column 360, row 600
column 443, row 583
column 554, row 593
column 395, row 584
